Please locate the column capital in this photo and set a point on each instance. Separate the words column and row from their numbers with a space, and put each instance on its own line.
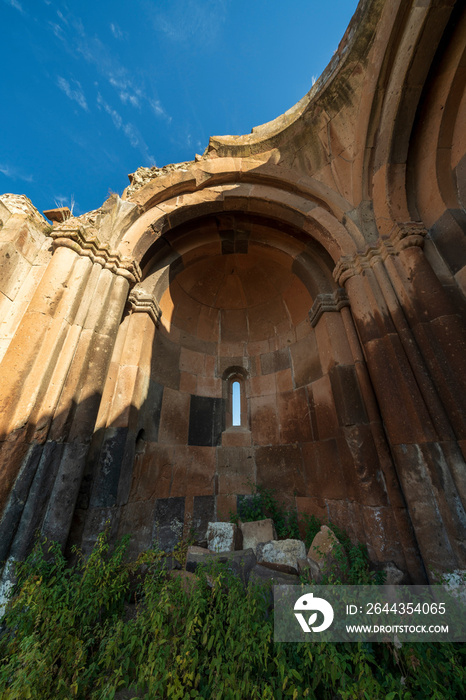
column 85, row 242
column 403, row 235
column 141, row 301
column 333, row 301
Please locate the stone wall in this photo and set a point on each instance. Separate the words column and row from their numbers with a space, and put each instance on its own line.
column 25, row 251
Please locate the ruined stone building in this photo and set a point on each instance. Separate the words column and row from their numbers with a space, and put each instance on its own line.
column 317, row 265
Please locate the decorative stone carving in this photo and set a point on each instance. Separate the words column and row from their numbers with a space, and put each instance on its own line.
column 70, row 235
column 327, row 302
column 141, row 301
column 403, row 235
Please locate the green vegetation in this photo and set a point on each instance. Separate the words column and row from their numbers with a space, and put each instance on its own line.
column 262, row 504
column 96, row 631
column 351, row 565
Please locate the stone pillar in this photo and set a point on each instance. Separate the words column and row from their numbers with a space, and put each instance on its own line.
column 120, row 422
column 439, row 332
column 53, row 374
column 419, row 429
column 375, row 485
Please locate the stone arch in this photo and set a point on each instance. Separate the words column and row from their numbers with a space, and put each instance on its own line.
column 416, row 34
column 436, row 189
column 242, row 275
column 306, row 211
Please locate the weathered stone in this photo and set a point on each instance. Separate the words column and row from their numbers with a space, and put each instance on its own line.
column 187, row 578
column 239, row 562
column 58, row 215
column 168, row 522
column 206, row 421
column 327, row 552
column 223, row 537
column 203, row 514
column 393, row 575
column 322, row 544
column 138, row 575
column 262, row 574
column 196, row 555
column 281, row 555
column 256, row 532
column 309, row 569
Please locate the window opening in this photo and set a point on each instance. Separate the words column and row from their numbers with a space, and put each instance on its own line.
column 236, row 403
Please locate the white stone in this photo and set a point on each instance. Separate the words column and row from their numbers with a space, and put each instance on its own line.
column 281, row 553
column 222, row 537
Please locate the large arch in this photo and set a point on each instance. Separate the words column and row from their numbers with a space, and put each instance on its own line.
column 241, row 278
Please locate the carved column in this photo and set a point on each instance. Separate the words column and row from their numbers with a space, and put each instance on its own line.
column 376, row 485
column 386, row 307
column 128, row 386
column 53, row 374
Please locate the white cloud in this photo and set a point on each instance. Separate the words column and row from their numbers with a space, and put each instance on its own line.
column 125, row 97
column 191, row 20
column 159, row 111
column 116, row 118
column 62, row 17
column 14, row 174
column 116, row 31
column 16, row 4
column 70, row 30
column 57, row 30
column 126, row 90
column 74, row 93
column 129, row 130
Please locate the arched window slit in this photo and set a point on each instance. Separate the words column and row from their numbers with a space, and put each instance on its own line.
column 236, row 403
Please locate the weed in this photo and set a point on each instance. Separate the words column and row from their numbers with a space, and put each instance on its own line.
column 64, row 636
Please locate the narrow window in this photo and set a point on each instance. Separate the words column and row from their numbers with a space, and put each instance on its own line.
column 236, row 403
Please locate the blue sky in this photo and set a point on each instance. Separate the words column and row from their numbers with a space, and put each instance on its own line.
column 93, row 90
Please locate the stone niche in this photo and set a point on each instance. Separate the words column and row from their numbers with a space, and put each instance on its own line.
column 235, row 294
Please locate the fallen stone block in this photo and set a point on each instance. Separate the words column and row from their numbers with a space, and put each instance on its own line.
column 239, row 562
column 188, row 579
column 223, row 537
column 328, row 553
column 322, row 544
column 310, row 570
column 393, row 575
column 194, row 556
column 138, row 575
column 262, row 574
column 281, row 555
column 257, row 532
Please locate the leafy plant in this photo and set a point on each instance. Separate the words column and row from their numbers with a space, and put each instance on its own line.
column 261, row 504
column 67, row 633
column 351, row 561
